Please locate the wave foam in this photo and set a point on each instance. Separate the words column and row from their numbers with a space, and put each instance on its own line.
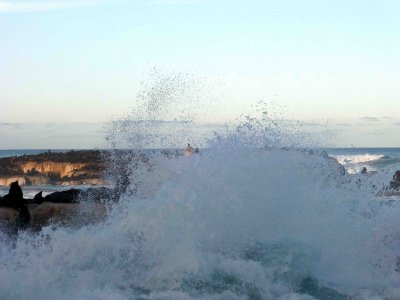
column 357, row 159
column 231, row 223
column 238, row 221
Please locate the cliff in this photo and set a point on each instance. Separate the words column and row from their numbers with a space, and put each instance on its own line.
column 70, row 168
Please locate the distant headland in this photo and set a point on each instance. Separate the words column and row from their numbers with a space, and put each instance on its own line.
column 83, row 167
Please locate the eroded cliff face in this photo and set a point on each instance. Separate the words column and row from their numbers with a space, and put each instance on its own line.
column 6, row 181
column 62, row 169
column 70, row 168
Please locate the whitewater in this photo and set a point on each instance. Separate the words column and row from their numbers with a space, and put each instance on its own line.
column 373, row 159
column 254, row 216
column 235, row 222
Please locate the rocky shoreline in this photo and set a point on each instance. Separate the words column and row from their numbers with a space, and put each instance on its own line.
column 83, row 167
column 74, row 207
column 65, row 208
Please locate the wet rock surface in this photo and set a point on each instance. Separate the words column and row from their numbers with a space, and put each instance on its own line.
column 68, row 208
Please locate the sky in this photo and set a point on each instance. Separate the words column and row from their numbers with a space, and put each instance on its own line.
column 67, row 67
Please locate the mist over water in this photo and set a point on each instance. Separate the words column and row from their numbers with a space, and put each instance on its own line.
column 253, row 216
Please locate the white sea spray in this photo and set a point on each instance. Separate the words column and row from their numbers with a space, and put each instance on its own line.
column 253, row 216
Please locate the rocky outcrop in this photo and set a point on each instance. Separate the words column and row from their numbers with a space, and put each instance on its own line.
column 24, row 180
column 74, row 207
column 393, row 189
column 68, row 208
column 62, row 169
column 8, row 216
column 73, row 215
column 67, row 214
column 395, row 183
column 70, row 168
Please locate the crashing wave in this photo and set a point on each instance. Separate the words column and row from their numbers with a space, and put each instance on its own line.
column 253, row 216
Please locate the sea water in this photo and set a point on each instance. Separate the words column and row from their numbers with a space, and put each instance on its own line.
column 353, row 159
column 373, row 159
column 384, row 161
column 235, row 222
column 255, row 215
column 22, row 152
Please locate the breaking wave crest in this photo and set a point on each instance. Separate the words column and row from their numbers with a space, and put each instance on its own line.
column 373, row 162
column 356, row 159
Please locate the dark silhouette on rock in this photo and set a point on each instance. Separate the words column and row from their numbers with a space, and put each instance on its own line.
column 38, row 198
column 72, row 207
column 395, row 183
column 364, row 170
column 98, row 195
column 14, row 198
column 69, row 196
column 16, row 190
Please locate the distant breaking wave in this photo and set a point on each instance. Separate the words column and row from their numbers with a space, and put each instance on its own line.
column 357, row 159
column 354, row 163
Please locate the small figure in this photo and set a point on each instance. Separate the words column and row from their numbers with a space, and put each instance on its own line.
column 188, row 151
column 364, row 171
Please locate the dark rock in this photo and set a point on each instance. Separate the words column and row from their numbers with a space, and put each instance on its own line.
column 72, row 215
column 312, row 287
column 61, row 208
column 395, row 183
column 69, row 196
column 23, row 219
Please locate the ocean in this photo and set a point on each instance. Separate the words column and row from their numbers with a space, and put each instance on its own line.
column 234, row 222
column 384, row 161
column 353, row 159
column 20, row 152
column 374, row 159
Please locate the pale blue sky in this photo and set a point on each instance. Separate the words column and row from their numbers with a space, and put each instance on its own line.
column 80, row 63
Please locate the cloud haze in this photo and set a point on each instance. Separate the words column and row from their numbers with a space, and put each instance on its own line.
column 34, row 6
column 12, row 6
column 370, row 119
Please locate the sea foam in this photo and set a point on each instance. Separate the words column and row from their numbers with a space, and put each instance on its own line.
column 253, row 216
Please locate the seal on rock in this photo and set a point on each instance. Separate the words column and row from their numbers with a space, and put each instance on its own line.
column 14, row 198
